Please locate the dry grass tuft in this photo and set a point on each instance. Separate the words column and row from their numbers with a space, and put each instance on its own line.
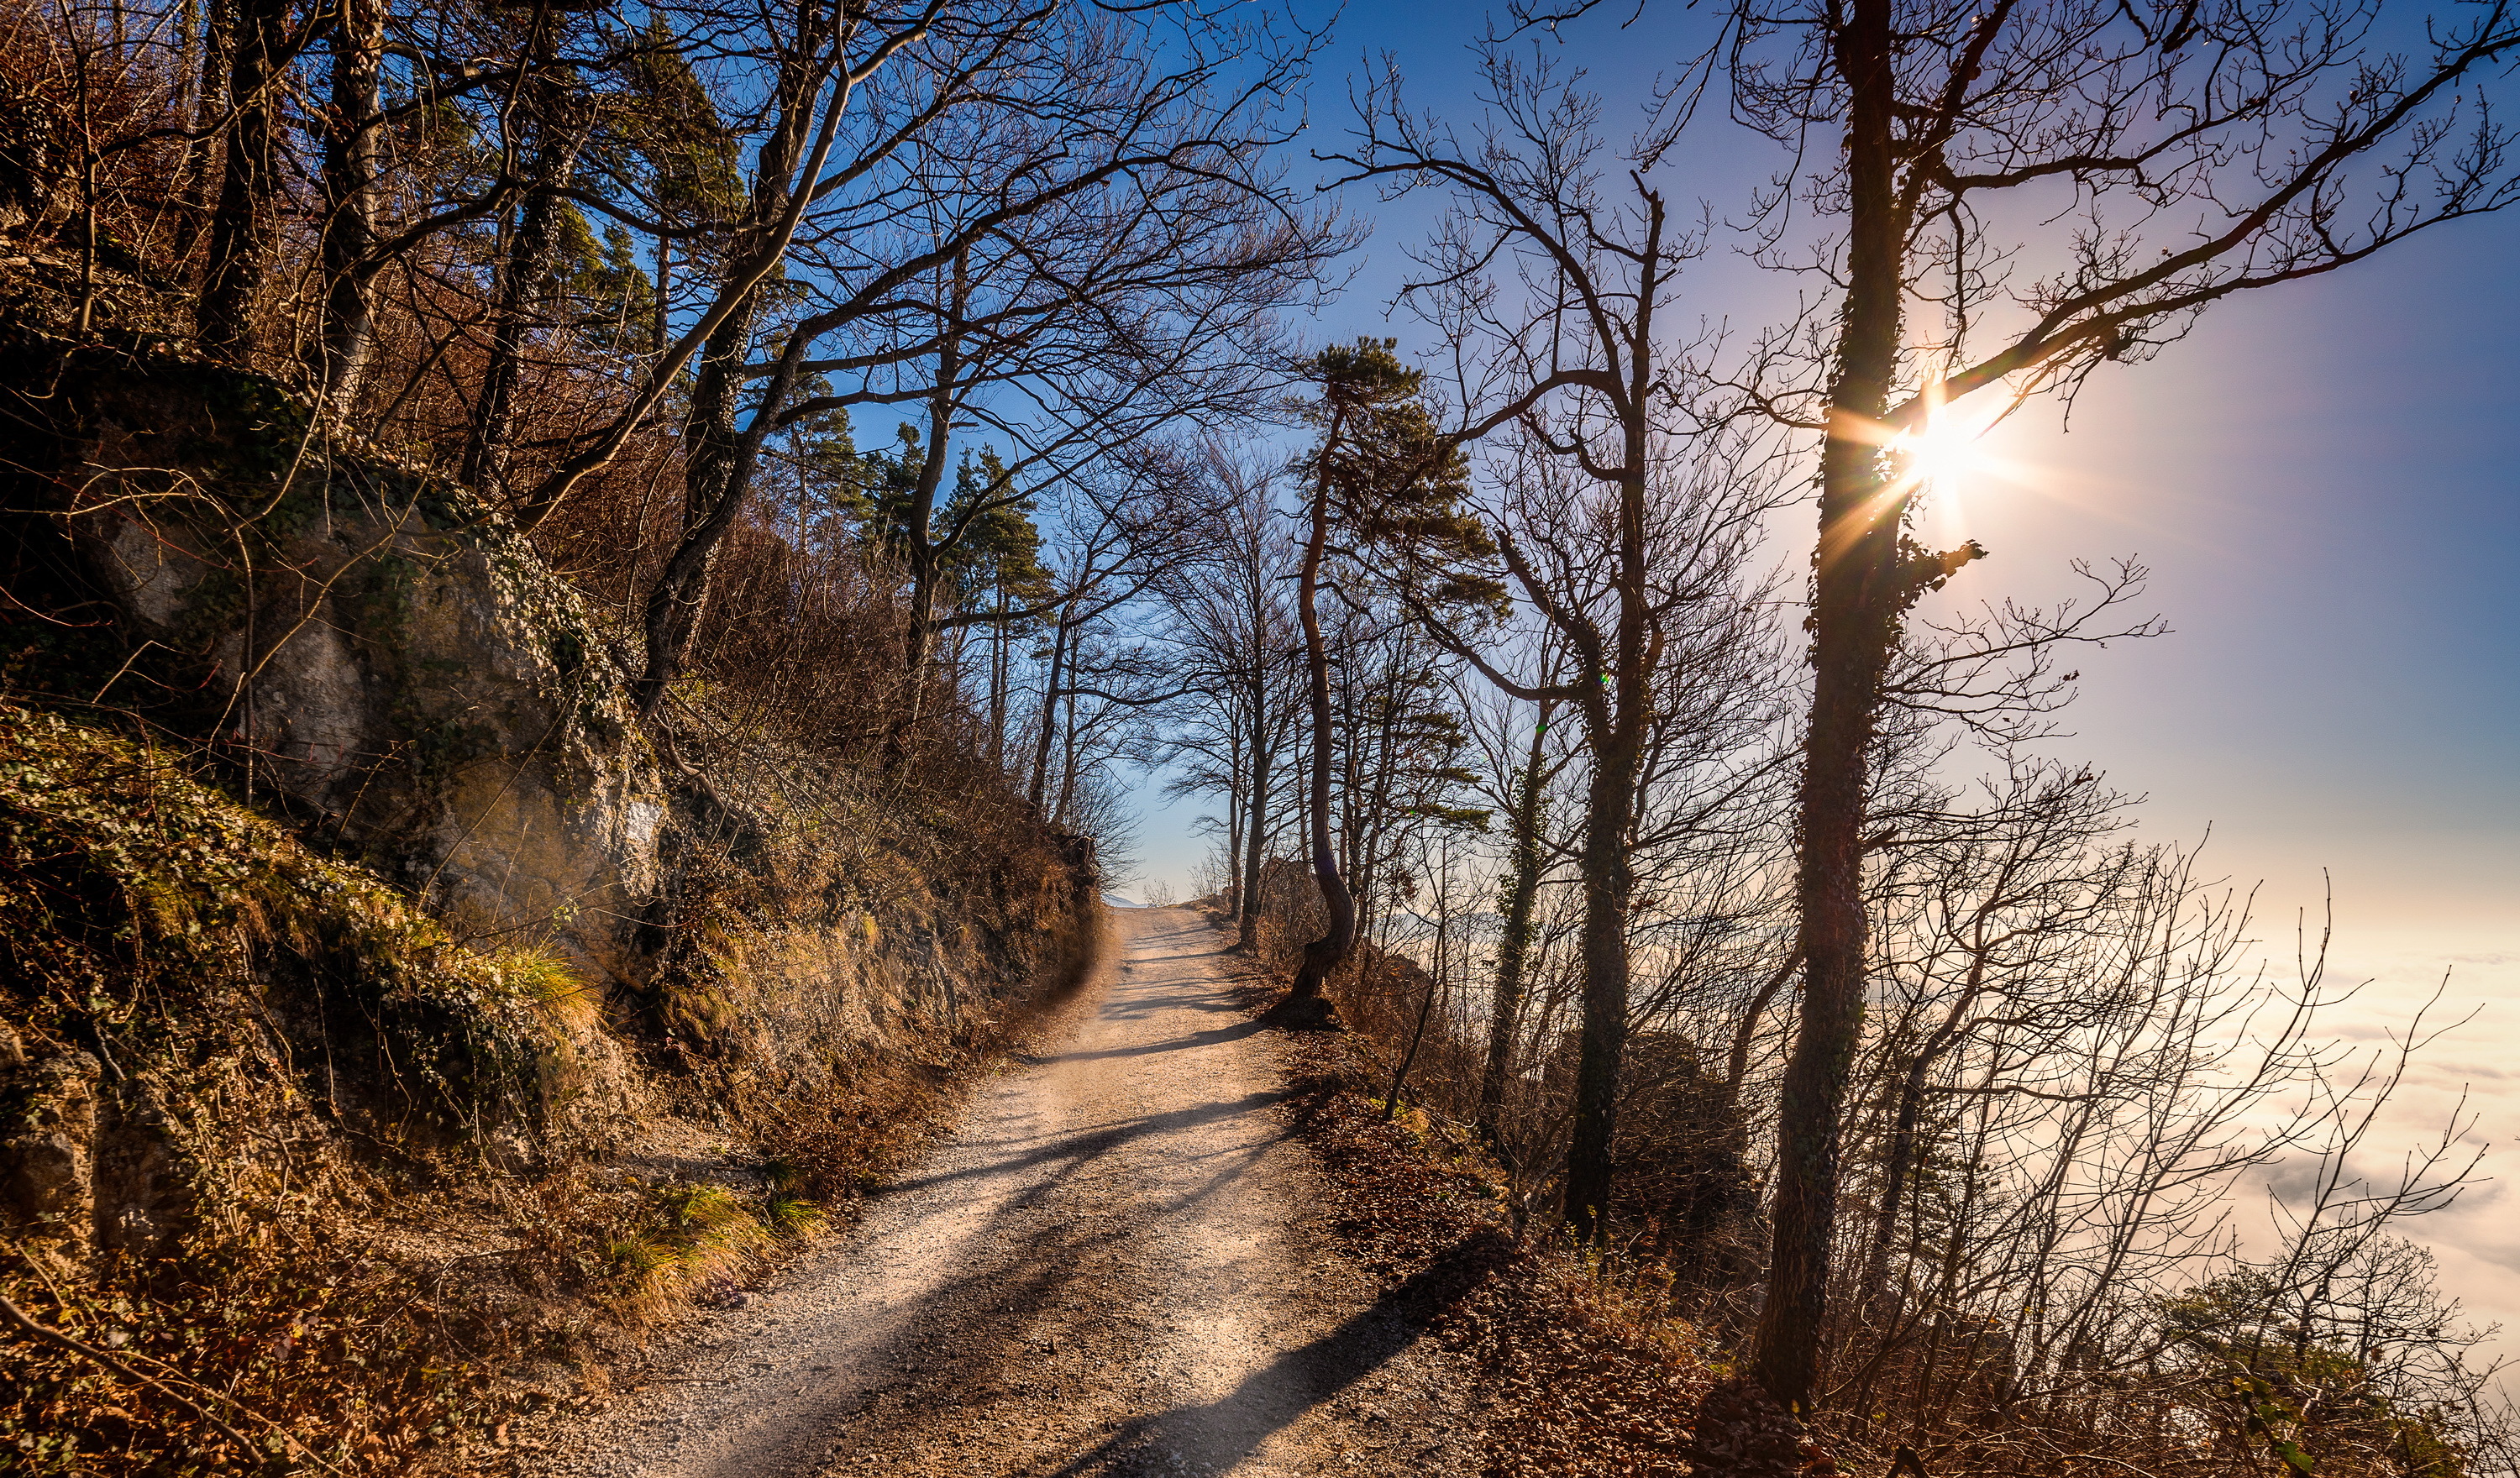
column 543, row 975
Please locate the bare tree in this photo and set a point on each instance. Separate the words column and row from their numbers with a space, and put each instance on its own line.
column 1234, row 622
column 2180, row 154
column 1549, row 290
column 1061, row 213
column 2171, row 154
column 1122, row 537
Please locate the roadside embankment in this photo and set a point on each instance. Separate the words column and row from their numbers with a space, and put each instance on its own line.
column 397, row 1026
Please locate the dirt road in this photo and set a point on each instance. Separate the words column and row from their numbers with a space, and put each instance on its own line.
column 1117, row 1265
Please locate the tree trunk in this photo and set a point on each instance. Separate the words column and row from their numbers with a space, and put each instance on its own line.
column 1366, row 809
column 1514, row 947
column 526, row 277
column 921, row 551
column 918, row 637
column 1049, row 712
column 925, row 556
column 1237, row 812
column 925, row 559
column 718, row 458
column 1060, row 812
column 1425, row 1013
column 1607, row 882
column 1338, row 907
column 1899, row 1159
column 351, row 165
column 213, row 74
column 716, row 472
column 1855, row 619
column 1254, row 838
column 1618, row 714
column 241, row 228
column 660, row 330
column 1736, row 1064
column 998, row 681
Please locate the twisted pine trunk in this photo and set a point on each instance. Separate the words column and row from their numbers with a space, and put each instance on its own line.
column 1339, row 906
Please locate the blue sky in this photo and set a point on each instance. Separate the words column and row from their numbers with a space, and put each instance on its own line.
column 2323, row 480
column 2320, row 478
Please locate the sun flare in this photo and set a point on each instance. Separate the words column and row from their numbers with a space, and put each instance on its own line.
column 1940, row 452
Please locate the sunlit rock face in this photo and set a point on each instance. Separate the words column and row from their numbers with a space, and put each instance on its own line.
column 410, row 685
column 430, row 696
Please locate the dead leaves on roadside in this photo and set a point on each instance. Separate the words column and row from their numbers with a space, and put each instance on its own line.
column 1566, row 1388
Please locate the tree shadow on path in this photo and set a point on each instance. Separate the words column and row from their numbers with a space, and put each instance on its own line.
column 1223, row 1433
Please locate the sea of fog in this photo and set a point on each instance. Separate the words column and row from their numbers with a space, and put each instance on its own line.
column 2471, row 1071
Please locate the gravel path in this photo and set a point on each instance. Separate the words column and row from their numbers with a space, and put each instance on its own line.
column 1117, row 1265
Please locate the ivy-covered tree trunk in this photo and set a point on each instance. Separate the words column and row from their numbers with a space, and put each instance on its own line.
column 1513, row 944
column 1855, row 618
column 353, row 164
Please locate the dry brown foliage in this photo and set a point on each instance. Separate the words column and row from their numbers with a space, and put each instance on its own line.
column 1580, row 1370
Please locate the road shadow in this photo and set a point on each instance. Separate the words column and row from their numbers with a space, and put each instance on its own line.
column 1224, row 1432
column 956, row 1344
column 1075, row 1150
column 1213, row 1037
column 1136, row 1008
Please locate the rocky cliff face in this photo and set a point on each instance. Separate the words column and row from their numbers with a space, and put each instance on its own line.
column 407, row 682
column 414, row 695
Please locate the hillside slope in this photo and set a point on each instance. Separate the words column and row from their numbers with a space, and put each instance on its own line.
column 395, row 1025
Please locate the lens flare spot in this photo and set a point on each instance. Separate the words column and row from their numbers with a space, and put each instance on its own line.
column 1940, row 452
